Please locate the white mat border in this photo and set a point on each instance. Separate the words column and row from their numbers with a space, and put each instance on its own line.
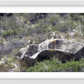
column 41, row 75
column 41, row 2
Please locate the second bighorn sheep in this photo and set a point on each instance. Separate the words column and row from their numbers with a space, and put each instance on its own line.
column 55, row 35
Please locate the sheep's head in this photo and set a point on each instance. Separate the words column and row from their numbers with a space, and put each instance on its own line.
column 54, row 34
column 31, row 41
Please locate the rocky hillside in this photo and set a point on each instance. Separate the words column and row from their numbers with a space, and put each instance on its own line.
column 16, row 29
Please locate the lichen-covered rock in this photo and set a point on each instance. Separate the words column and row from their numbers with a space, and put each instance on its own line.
column 60, row 48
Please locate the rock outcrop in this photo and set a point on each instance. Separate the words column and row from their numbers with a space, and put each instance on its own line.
column 60, row 48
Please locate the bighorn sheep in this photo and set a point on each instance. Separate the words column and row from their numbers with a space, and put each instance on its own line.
column 24, row 50
column 55, row 35
column 31, row 42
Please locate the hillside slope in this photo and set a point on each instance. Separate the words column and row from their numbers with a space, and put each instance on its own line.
column 17, row 28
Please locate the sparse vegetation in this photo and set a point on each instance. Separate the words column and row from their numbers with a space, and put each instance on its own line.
column 67, row 36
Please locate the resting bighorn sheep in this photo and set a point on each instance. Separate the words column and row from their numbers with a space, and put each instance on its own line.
column 55, row 35
column 31, row 42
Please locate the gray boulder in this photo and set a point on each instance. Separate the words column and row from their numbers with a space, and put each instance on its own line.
column 60, row 48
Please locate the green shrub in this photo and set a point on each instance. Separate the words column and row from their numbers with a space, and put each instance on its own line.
column 54, row 19
column 8, row 33
column 11, row 32
column 75, row 16
column 54, row 65
column 54, row 28
column 72, row 15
